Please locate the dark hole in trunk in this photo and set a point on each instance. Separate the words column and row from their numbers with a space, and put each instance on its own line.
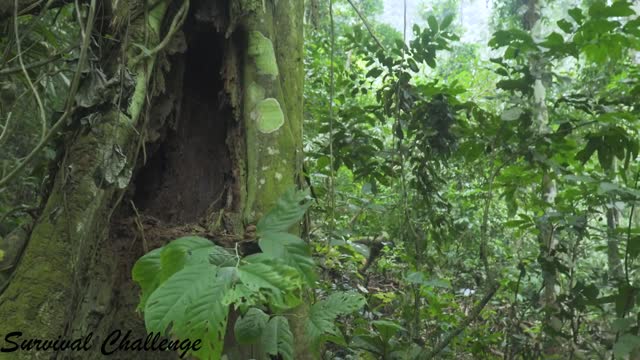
column 190, row 171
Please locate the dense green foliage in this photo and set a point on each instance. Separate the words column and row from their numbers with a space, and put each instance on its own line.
column 440, row 147
column 191, row 284
column 466, row 200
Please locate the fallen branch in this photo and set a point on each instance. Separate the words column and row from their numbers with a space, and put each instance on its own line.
column 473, row 315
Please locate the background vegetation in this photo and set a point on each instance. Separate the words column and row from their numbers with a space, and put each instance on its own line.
column 467, row 201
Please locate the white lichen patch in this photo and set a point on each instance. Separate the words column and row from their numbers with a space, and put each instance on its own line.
column 255, row 93
column 272, row 151
column 261, row 49
column 268, row 115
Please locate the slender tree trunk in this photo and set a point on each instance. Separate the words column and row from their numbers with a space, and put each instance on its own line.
column 198, row 136
column 546, row 239
column 613, row 219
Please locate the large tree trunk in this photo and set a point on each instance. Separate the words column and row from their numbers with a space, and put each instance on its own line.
column 193, row 153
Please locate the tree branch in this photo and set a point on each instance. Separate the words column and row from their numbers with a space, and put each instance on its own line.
column 33, row 65
column 26, row 7
column 473, row 315
column 366, row 24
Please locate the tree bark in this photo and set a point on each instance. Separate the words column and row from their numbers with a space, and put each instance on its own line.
column 194, row 152
column 616, row 270
column 546, row 238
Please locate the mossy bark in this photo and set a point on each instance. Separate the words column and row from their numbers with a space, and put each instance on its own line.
column 47, row 289
column 73, row 277
column 273, row 72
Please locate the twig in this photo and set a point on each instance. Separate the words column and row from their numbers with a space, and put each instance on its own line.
column 176, row 24
column 68, row 107
column 473, row 315
column 17, row 69
column 83, row 55
column 5, row 128
column 626, row 252
column 237, row 255
column 20, row 208
column 79, row 17
column 43, row 117
column 332, row 190
column 145, row 246
column 366, row 24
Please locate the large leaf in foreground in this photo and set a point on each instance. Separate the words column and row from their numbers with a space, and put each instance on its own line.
column 189, row 302
column 287, row 212
column 146, row 272
column 292, row 250
column 277, row 338
column 323, row 314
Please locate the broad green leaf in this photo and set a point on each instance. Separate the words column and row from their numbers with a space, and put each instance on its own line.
column 431, row 61
column 318, row 325
column 553, row 40
column 413, row 65
column 146, row 273
column 618, row 8
column 387, row 329
column 622, row 324
column 280, row 280
column 433, row 23
column 447, row 21
column 625, row 345
column 577, row 15
column 277, row 338
column 180, row 252
column 293, row 250
column 323, row 314
column 189, row 302
column 625, row 296
column 250, row 326
column 634, row 246
column 219, row 256
column 565, row 25
column 288, row 211
column 369, row 343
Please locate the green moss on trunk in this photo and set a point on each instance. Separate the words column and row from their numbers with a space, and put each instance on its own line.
column 274, row 156
column 42, row 298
